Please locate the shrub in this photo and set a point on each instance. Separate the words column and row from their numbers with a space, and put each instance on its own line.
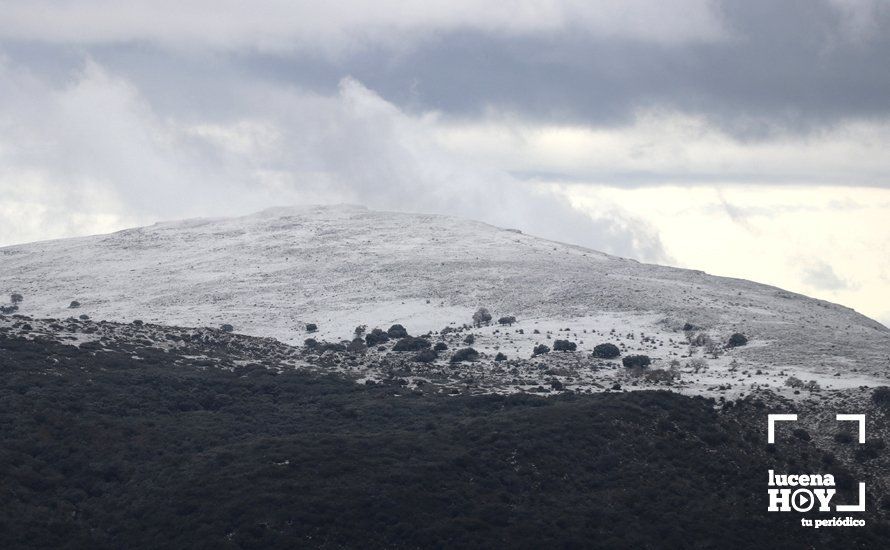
column 688, row 327
column 465, row 354
column 794, row 382
column 881, row 397
column 564, row 345
column 606, row 351
column 74, row 304
column 224, row 327
column 16, row 298
column 481, row 317
column 409, row 343
column 397, row 331
column 500, row 357
column 509, row 320
column 357, row 346
column 470, row 340
column 641, row 361
column 376, row 337
column 440, row 346
column 736, row 340
column 540, row 349
column 310, row 343
column 9, row 310
column 660, row 375
column 557, row 385
column 84, row 317
column 426, row 356
column 311, row 327
column 331, row 346
column 359, row 330
column 138, row 322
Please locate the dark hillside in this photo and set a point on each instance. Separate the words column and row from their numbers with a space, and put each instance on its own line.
column 103, row 450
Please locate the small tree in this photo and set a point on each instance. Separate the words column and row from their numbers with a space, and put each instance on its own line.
column 409, row 343
column 74, row 304
column 465, row 354
column 540, row 349
column 16, row 298
column 376, row 337
column 509, row 320
column 226, row 328
column 311, row 327
column 564, row 345
column 481, row 317
column 737, row 339
column 426, row 356
column 397, row 331
column 357, row 346
column 606, row 351
column 639, row 361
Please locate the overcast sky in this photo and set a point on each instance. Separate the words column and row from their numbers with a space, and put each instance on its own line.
column 747, row 138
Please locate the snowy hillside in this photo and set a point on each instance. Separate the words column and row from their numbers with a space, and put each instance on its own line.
column 271, row 273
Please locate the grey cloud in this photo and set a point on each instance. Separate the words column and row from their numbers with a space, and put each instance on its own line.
column 822, row 276
column 785, row 67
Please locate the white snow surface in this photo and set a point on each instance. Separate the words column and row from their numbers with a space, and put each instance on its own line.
column 270, row 273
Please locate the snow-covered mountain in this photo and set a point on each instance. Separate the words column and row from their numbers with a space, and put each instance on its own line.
column 271, row 273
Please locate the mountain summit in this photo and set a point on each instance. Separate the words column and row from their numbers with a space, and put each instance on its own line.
column 271, row 273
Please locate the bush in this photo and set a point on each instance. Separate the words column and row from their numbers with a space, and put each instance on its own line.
column 409, row 343
column 440, row 346
column 357, row 346
column 606, row 351
column 509, row 320
column 74, row 304
column 426, row 356
column 310, row 343
column 640, row 361
column 397, row 331
column 794, row 382
column 16, row 298
column 660, row 375
column 376, row 337
column 736, row 340
column 500, row 357
column 9, row 310
column 881, row 397
column 481, row 317
column 311, row 327
column 465, row 354
column 331, row 346
column 540, row 349
column 224, row 327
column 470, row 340
column 564, row 345
column 84, row 317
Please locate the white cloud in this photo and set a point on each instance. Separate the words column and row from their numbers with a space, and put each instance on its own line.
column 827, row 242
column 91, row 155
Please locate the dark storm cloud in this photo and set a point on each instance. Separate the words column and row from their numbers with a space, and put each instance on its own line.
column 794, row 66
